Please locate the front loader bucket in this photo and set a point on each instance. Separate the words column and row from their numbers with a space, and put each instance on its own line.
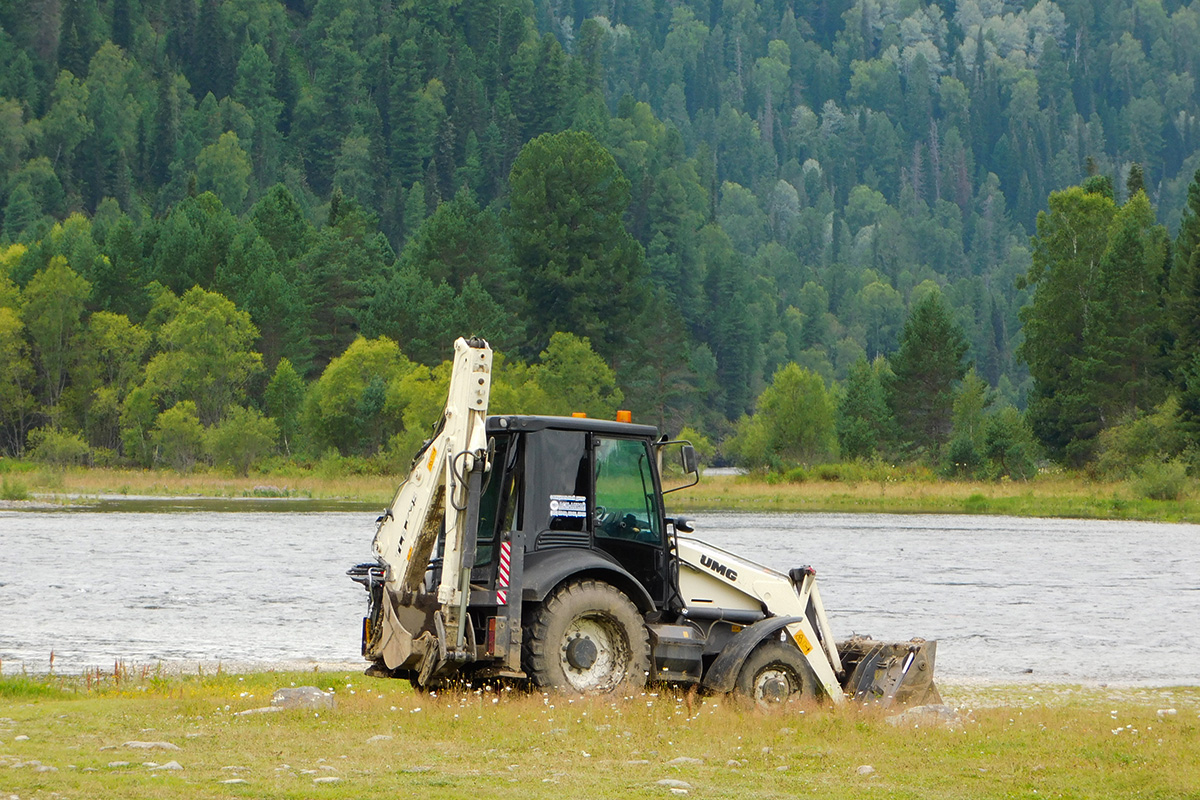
column 890, row 674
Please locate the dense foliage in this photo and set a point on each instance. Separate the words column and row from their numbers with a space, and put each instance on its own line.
column 269, row 218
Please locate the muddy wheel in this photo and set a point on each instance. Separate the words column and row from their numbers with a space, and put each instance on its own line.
column 587, row 638
column 776, row 672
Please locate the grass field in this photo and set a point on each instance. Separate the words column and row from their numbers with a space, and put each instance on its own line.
column 1055, row 495
column 67, row 738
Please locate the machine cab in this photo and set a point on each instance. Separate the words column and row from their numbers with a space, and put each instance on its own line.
column 562, row 482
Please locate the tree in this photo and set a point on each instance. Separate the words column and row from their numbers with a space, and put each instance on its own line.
column 572, row 378
column 581, row 270
column 359, row 393
column 798, row 414
column 117, row 350
column 206, row 358
column 284, row 396
column 927, row 368
column 1121, row 373
column 53, row 314
column 865, row 425
column 224, row 169
column 16, row 382
column 1072, row 237
column 279, row 219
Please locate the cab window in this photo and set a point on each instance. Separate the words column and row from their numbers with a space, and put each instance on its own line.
column 625, row 506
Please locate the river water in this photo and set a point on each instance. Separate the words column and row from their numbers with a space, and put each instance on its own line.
column 1009, row 599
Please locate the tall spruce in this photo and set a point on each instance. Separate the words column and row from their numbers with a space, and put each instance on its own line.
column 928, row 366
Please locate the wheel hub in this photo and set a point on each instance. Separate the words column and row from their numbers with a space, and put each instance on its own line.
column 593, row 654
column 582, row 653
column 773, row 686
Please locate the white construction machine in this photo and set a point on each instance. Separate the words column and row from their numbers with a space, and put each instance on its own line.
column 537, row 549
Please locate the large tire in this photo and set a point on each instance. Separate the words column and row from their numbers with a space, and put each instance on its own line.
column 587, row 638
column 775, row 672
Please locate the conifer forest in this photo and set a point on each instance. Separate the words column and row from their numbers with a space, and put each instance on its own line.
column 963, row 234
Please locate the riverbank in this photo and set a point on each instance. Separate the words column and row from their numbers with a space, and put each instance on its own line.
column 1054, row 495
column 146, row 735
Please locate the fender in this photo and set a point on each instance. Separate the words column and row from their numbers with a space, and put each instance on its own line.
column 546, row 569
column 722, row 675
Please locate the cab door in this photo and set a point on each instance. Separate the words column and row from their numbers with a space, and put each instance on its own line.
column 627, row 518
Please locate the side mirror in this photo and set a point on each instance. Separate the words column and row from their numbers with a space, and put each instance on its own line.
column 690, row 463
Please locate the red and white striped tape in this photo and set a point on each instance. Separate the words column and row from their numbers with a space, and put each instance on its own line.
column 502, row 581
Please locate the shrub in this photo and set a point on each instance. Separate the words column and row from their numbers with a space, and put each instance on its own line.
column 1160, row 480
column 795, row 475
column 57, row 448
column 13, row 490
column 1125, row 448
column 242, row 439
column 178, row 436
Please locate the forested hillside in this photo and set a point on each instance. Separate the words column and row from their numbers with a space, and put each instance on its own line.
column 212, row 209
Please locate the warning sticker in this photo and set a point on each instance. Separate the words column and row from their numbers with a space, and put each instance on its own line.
column 802, row 640
column 568, row 505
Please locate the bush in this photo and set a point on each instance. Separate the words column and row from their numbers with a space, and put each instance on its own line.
column 242, row 439
column 1126, row 447
column 1160, row 480
column 795, row 475
column 57, row 448
column 14, row 490
column 178, row 436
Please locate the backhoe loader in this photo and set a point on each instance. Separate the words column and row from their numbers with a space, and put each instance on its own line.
column 537, row 549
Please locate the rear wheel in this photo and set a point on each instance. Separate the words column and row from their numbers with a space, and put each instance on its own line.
column 776, row 672
column 587, row 638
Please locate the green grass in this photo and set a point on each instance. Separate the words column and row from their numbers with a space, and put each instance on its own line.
column 1023, row 741
column 876, row 490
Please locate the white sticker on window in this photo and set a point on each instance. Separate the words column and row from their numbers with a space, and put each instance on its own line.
column 568, row 505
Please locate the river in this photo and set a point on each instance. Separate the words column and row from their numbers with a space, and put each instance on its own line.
column 1010, row 600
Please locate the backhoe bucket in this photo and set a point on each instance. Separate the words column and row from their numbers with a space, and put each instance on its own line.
column 890, row 674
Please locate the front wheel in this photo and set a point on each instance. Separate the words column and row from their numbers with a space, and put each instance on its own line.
column 776, row 672
column 587, row 638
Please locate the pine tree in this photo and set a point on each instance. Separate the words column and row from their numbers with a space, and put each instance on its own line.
column 928, row 366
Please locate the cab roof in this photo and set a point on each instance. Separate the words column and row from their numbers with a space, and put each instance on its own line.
column 528, row 423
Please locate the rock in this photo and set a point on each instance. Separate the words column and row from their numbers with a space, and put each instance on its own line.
column 671, row 783
column 261, row 710
column 383, row 737
column 637, row 761
column 1167, row 712
column 302, row 697
column 151, row 746
column 865, row 769
column 115, row 764
column 45, row 768
column 170, row 765
column 733, row 764
column 231, row 781
column 684, row 760
column 926, row 715
column 679, row 791
column 21, row 738
column 327, row 779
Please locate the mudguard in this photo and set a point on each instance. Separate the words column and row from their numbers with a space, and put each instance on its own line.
column 722, row 675
column 546, row 569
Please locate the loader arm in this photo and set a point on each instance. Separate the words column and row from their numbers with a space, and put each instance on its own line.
column 714, row 581
column 435, row 497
